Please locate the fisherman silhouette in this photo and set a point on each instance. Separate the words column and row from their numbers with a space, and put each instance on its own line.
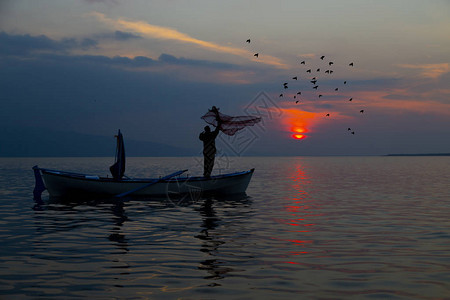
column 225, row 123
column 209, row 145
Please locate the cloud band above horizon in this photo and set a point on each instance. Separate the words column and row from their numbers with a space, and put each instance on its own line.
column 165, row 33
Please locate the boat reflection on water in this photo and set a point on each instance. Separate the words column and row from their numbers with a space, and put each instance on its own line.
column 59, row 214
column 116, row 218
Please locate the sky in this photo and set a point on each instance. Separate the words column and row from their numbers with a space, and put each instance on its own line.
column 153, row 68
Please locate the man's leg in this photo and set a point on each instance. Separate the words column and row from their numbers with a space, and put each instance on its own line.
column 209, row 164
column 205, row 164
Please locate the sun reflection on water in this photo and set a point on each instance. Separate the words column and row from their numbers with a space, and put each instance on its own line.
column 299, row 212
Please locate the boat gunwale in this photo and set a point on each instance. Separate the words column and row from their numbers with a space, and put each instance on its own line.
column 95, row 178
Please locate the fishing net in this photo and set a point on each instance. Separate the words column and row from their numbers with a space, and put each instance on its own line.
column 229, row 125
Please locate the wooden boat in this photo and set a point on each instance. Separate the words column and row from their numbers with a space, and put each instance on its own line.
column 69, row 184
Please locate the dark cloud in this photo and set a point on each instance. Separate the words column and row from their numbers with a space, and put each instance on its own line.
column 46, row 48
column 125, row 36
column 98, row 60
column 121, row 36
column 26, row 44
column 88, row 43
column 140, row 61
column 170, row 59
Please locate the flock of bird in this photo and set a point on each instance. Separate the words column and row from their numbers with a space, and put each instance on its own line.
column 314, row 80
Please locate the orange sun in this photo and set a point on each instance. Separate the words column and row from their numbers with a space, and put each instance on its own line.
column 298, row 132
column 299, row 122
column 298, row 136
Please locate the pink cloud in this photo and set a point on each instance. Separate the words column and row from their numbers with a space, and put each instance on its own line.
column 406, row 101
column 429, row 70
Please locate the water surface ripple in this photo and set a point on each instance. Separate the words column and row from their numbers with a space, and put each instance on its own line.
column 310, row 227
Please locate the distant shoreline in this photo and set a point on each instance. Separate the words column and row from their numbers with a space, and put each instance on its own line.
column 420, row 154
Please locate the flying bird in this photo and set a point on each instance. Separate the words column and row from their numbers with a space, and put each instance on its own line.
column 327, row 71
column 318, row 70
column 345, row 82
column 330, row 63
column 315, row 87
column 327, row 115
column 281, row 95
column 361, row 111
column 248, row 41
column 299, row 93
column 336, row 89
column 350, row 99
column 320, row 96
column 350, row 64
column 322, row 57
column 256, row 54
column 308, row 71
column 303, row 62
column 313, row 81
column 348, row 129
column 295, row 78
column 353, row 132
column 296, row 101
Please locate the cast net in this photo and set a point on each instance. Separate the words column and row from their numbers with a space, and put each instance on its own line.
column 229, row 125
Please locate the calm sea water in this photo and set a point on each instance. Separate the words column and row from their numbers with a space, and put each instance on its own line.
column 310, row 228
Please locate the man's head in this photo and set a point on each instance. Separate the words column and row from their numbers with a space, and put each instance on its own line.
column 207, row 129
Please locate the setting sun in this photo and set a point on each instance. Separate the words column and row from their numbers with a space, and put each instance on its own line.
column 298, row 136
column 298, row 122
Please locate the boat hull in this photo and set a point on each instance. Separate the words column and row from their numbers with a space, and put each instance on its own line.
column 64, row 184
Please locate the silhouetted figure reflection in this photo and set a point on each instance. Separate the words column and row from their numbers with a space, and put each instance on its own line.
column 210, row 244
column 209, row 145
column 209, row 217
